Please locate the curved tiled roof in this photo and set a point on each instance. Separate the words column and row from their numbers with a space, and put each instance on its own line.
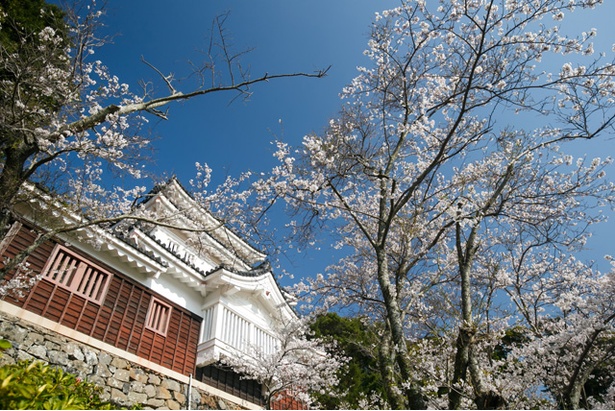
column 257, row 271
column 262, row 268
column 132, row 243
column 159, row 188
column 177, row 255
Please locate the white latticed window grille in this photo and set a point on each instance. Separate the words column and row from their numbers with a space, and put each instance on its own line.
column 208, row 320
column 266, row 341
column 71, row 271
column 236, row 330
column 158, row 316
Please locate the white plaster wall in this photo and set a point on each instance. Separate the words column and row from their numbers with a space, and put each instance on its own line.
column 165, row 284
column 177, row 292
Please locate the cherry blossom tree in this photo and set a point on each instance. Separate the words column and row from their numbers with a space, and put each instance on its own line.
column 447, row 179
column 64, row 118
column 569, row 332
column 298, row 365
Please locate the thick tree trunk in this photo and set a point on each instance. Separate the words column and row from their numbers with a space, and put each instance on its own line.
column 572, row 398
column 387, row 370
column 484, row 398
column 10, row 183
column 414, row 399
column 466, row 363
column 465, row 335
column 582, row 371
column 460, row 370
column 12, row 177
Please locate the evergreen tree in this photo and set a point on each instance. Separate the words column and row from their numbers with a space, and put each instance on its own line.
column 360, row 382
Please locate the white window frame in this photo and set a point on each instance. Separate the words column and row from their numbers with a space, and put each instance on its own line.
column 158, row 316
column 76, row 274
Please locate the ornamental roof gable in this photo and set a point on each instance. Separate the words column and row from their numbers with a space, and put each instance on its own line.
column 195, row 233
column 257, row 285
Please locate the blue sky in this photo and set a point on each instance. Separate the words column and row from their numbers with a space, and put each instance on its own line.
column 287, row 36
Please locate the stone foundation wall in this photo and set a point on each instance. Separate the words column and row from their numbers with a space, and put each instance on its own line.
column 124, row 382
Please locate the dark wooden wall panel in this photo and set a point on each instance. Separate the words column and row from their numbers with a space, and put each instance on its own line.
column 36, row 260
column 88, row 318
column 231, row 382
column 119, row 320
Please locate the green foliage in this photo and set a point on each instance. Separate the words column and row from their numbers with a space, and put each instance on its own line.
column 360, row 378
column 23, row 63
column 20, row 18
column 4, row 345
column 34, row 385
column 598, row 384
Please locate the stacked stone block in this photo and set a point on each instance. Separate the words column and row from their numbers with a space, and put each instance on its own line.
column 123, row 382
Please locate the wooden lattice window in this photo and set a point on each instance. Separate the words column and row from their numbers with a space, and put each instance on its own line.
column 158, row 316
column 81, row 277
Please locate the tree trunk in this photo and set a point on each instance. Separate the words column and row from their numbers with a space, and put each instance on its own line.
column 387, row 370
column 465, row 357
column 10, row 183
column 485, row 399
column 12, row 178
column 461, row 367
column 414, row 399
column 582, row 371
column 465, row 336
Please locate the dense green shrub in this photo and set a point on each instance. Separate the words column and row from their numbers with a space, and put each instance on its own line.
column 37, row 386
column 34, row 385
